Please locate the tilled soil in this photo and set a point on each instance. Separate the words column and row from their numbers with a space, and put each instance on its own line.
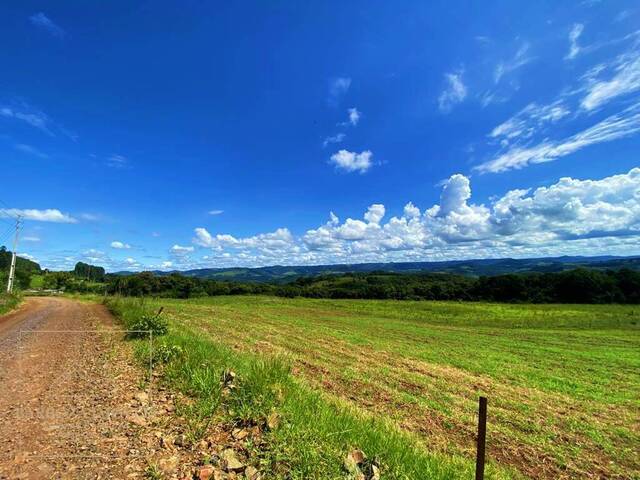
column 73, row 404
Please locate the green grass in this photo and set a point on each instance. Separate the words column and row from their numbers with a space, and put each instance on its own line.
column 314, row 432
column 8, row 302
column 563, row 381
column 36, row 282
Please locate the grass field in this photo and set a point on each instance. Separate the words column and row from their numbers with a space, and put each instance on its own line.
column 563, row 381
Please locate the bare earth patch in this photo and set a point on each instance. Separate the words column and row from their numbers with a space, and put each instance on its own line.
column 73, row 404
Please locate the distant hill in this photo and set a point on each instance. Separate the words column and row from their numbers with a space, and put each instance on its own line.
column 22, row 264
column 474, row 268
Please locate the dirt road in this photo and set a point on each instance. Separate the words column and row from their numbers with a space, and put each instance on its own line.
column 72, row 404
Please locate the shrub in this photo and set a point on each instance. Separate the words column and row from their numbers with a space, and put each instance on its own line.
column 148, row 324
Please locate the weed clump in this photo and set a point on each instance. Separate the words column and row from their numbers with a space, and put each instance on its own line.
column 148, row 324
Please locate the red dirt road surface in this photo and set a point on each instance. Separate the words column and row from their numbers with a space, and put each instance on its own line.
column 70, row 399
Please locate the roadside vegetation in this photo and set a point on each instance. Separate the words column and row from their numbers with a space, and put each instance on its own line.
column 307, row 432
column 563, row 381
column 8, row 302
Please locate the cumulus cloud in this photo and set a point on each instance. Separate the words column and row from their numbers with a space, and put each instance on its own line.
column 574, row 34
column 568, row 216
column 354, row 116
column 352, row 161
column 454, row 93
column 49, row 215
column 42, row 21
column 180, row 250
column 120, row 245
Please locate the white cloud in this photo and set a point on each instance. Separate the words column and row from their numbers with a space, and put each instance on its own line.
column 354, row 116
column 454, row 93
column 120, row 245
column 28, row 257
column 530, row 120
column 570, row 216
column 338, row 87
column 28, row 149
column 166, row 265
column 117, row 161
column 508, row 66
column 48, row 215
column 216, row 212
column 28, row 114
column 90, row 217
column 411, row 211
column 574, row 34
column 352, row 161
column 42, row 21
column 614, row 127
column 625, row 80
column 338, row 138
column 375, row 213
column 30, row 239
column 180, row 250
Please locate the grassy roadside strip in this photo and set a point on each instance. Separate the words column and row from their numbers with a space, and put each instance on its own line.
column 8, row 302
column 307, row 434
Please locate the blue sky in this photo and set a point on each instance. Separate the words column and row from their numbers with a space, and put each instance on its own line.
column 143, row 135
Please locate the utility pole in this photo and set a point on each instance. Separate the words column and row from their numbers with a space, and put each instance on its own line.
column 12, row 269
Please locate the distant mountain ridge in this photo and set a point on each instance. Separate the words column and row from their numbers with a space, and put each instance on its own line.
column 479, row 267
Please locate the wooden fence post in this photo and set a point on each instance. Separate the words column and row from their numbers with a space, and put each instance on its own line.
column 482, row 437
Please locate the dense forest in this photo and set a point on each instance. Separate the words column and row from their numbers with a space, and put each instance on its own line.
column 575, row 286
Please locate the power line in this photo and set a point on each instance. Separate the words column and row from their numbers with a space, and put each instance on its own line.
column 7, row 233
column 6, row 212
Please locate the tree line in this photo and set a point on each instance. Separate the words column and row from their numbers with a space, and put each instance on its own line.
column 574, row 286
column 581, row 285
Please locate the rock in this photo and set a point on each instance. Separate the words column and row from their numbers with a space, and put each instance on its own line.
column 166, row 442
column 205, row 473
column 358, row 456
column 251, row 473
column 352, row 463
column 142, row 397
column 230, row 462
column 228, row 377
column 168, row 465
column 273, row 421
column 375, row 473
column 136, row 419
column 180, row 441
column 240, row 433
